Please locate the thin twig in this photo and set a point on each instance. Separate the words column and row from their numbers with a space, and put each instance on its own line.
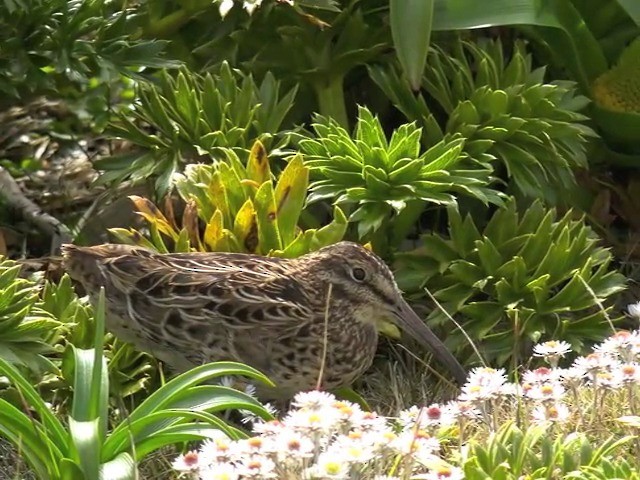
column 466, row 335
column 325, row 340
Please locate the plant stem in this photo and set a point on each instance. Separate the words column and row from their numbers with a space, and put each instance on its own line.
column 330, row 93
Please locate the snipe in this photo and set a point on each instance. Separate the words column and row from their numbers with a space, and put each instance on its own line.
column 284, row 317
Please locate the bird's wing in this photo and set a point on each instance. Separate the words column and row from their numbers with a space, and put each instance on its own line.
column 239, row 292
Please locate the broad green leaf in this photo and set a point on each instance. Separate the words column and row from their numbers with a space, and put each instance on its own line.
column 165, row 395
column 267, row 216
column 122, row 467
column 410, row 22
column 87, row 440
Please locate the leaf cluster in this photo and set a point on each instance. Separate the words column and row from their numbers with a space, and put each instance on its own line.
column 505, row 112
column 523, row 277
column 380, row 177
column 189, row 117
column 57, row 46
column 181, row 410
column 25, row 326
column 512, row 453
column 241, row 208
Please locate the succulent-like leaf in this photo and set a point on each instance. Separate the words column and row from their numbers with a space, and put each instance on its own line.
column 239, row 213
column 194, row 117
column 520, row 279
column 381, row 176
column 504, row 111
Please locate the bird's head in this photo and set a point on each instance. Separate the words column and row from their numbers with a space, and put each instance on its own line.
column 368, row 287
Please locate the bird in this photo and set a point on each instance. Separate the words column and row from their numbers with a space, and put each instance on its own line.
column 305, row 322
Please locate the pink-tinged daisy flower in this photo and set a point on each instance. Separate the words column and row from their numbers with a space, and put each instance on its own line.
column 629, row 373
column 545, row 392
column 217, row 450
column 289, row 445
column 256, row 467
column 188, row 462
column 459, row 409
column 541, row 375
column 550, row 413
column 594, row 363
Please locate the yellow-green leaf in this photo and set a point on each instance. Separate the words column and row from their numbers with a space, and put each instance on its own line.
column 290, row 194
column 131, row 237
column 153, row 215
column 258, row 164
column 218, row 195
column 213, row 232
column 183, row 245
column 245, row 227
column 332, row 233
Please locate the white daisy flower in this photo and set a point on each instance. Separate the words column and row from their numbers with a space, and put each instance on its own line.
column 313, row 400
column 554, row 413
column 220, row 471
column 552, row 347
column 330, row 466
column 634, row 309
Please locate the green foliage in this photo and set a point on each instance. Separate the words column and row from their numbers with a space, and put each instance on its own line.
column 523, row 278
column 389, row 177
column 59, row 48
column 616, row 94
column 181, row 410
column 130, row 372
column 511, row 454
column 242, row 209
column 504, row 111
column 192, row 118
column 24, row 325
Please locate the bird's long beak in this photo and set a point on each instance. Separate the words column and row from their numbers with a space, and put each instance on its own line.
column 409, row 321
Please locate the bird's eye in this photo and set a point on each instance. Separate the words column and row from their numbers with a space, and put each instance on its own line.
column 358, row 274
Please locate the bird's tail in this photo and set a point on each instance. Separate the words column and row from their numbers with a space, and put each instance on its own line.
column 84, row 263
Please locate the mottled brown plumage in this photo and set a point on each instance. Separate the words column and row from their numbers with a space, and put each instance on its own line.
column 277, row 315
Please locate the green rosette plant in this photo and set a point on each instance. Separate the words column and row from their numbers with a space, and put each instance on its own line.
column 505, row 112
column 25, row 326
column 386, row 184
column 190, row 118
column 242, row 209
column 522, row 278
